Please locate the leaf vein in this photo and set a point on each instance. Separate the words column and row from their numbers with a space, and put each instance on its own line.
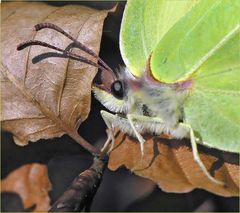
column 29, row 49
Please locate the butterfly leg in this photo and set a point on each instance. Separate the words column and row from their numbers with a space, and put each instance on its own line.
column 109, row 124
column 134, row 125
column 127, row 125
column 155, row 125
column 196, row 155
column 180, row 131
column 141, row 140
column 105, row 148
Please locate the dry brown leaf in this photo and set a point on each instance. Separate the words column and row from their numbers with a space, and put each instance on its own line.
column 52, row 97
column 170, row 164
column 31, row 183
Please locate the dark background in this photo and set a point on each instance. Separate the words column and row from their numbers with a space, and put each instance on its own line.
column 120, row 190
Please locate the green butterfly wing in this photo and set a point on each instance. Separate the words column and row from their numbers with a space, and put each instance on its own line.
column 195, row 38
column 213, row 107
column 144, row 24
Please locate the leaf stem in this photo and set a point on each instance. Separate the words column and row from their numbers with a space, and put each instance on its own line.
column 92, row 149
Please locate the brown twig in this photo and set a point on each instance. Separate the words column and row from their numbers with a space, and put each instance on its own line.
column 82, row 189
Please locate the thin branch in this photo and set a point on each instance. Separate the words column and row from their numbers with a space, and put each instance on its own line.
column 83, row 188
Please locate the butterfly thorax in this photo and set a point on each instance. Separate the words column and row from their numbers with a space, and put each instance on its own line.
column 164, row 101
column 145, row 96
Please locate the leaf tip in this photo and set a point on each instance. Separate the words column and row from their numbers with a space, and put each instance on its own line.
column 20, row 142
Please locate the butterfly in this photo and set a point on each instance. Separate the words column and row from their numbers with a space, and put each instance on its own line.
column 159, row 98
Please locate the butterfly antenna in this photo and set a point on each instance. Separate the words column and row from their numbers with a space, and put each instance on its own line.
column 67, row 53
column 79, row 44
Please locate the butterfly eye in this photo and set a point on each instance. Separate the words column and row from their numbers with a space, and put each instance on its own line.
column 117, row 89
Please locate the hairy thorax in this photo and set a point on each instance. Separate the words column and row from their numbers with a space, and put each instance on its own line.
column 148, row 97
column 163, row 101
